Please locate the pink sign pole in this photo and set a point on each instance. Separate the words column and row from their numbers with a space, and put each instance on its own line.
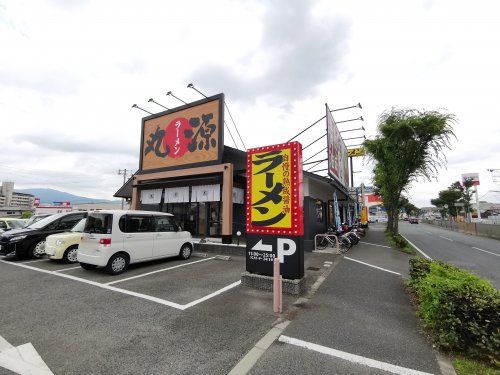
column 277, row 285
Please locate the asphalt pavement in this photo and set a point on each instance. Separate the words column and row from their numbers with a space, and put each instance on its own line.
column 479, row 255
column 360, row 321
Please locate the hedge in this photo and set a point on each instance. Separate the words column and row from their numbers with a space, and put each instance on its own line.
column 461, row 310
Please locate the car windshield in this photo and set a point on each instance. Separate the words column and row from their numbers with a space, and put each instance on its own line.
column 43, row 222
column 15, row 223
column 34, row 219
column 99, row 223
column 79, row 226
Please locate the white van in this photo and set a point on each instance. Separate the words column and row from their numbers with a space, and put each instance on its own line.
column 114, row 239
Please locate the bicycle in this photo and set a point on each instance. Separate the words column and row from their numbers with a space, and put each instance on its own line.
column 330, row 239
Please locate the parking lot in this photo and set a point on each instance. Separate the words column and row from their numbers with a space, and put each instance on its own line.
column 173, row 283
column 168, row 316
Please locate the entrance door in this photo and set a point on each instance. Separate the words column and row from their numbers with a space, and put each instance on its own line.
column 214, row 224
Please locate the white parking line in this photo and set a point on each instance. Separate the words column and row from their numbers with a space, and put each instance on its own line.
column 384, row 366
column 34, row 261
column 371, row 265
column 152, row 272
column 216, row 293
column 427, row 232
column 486, row 251
column 416, row 248
column 67, row 269
column 374, row 244
column 446, row 238
column 124, row 291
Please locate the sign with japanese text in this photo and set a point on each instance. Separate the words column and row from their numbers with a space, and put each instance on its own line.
column 353, row 152
column 474, row 177
column 274, row 190
column 337, row 151
column 183, row 137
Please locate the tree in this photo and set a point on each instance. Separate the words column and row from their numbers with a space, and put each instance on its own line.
column 457, row 193
column 411, row 209
column 450, row 197
column 409, row 145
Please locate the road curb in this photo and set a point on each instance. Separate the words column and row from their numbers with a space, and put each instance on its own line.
column 445, row 364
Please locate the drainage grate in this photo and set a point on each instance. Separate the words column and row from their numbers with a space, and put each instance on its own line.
column 313, row 268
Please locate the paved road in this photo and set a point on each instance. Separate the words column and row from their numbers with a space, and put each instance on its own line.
column 477, row 254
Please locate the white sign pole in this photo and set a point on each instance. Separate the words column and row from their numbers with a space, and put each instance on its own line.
column 477, row 201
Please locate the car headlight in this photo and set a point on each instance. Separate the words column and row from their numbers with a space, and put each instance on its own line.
column 59, row 242
column 18, row 238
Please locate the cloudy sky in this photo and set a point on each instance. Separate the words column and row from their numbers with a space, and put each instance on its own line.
column 71, row 69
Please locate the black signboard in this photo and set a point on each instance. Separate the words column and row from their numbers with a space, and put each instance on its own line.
column 262, row 249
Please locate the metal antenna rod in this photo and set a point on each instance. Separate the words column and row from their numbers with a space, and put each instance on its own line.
column 179, row 99
column 151, row 100
column 191, row 86
column 312, row 162
column 313, row 142
column 353, row 119
column 318, row 163
column 333, row 110
column 348, row 139
column 352, row 106
column 320, row 170
column 142, row 109
column 237, row 131
column 320, row 151
column 351, row 130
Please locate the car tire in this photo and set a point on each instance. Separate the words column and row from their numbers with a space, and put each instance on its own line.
column 87, row 266
column 185, row 252
column 38, row 249
column 70, row 255
column 117, row 264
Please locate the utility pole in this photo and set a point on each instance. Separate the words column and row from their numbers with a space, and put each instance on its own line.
column 124, row 173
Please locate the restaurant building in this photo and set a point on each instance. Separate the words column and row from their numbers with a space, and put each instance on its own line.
column 185, row 169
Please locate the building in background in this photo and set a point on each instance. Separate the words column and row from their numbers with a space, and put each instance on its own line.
column 100, row 206
column 54, row 208
column 13, row 203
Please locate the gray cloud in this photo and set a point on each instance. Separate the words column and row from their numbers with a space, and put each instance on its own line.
column 46, row 82
column 64, row 143
column 300, row 51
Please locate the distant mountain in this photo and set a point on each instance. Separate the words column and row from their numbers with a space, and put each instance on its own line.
column 48, row 196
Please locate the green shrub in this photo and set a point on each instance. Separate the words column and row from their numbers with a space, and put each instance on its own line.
column 462, row 310
column 419, row 268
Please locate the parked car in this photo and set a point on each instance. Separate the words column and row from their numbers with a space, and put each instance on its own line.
column 35, row 218
column 8, row 223
column 30, row 241
column 413, row 220
column 65, row 245
column 115, row 239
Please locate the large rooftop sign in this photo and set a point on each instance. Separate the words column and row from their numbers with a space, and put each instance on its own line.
column 183, row 137
column 337, row 152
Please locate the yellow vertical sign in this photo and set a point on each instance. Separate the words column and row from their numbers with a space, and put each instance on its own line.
column 271, row 204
